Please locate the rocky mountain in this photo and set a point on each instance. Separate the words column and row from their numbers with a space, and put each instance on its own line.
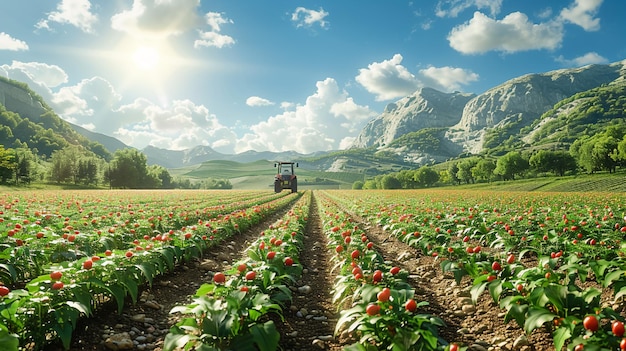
column 426, row 108
column 498, row 113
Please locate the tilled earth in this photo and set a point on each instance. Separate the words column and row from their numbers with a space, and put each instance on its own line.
column 310, row 320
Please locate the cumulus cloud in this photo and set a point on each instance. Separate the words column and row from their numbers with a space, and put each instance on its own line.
column 390, row 79
column 258, row 101
column 452, row 8
column 511, row 34
column 213, row 37
column 586, row 59
column 9, row 43
column 582, row 13
column 40, row 77
column 320, row 124
column 304, row 17
column 74, row 12
column 158, row 18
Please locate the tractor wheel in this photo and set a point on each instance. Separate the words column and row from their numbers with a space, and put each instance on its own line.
column 277, row 187
column 294, row 185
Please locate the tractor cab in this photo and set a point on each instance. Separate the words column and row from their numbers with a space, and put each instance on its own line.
column 285, row 177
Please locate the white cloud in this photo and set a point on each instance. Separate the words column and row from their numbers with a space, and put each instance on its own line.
column 9, row 43
column 513, row 33
column 320, row 124
column 40, row 77
column 452, row 8
column 390, row 79
column 586, row 59
column 582, row 13
column 214, row 37
column 304, row 17
column 258, row 101
column 158, row 18
column 447, row 78
column 74, row 12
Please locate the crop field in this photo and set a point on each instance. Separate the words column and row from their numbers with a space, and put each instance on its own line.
column 322, row 269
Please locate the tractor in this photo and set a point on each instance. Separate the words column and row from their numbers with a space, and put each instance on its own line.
column 286, row 177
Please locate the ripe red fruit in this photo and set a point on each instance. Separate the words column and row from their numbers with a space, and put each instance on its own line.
column 477, row 249
column 271, row 255
column 510, row 259
column 454, row 347
column 355, row 254
column 590, row 323
column 622, row 344
column 288, row 261
column 278, row 242
column 87, row 264
column 129, row 254
column 108, row 253
column 370, row 245
column 56, row 275
column 57, row 286
column 579, row 347
column 250, row 275
column 339, row 249
column 496, row 266
column 394, row 270
column 219, row 278
column 383, row 295
column 4, row 291
column 617, row 327
column 469, row 250
column 410, row 305
column 491, row 278
column 466, row 239
column 377, row 276
column 372, row 309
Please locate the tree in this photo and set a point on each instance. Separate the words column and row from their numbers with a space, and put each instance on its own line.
column 453, row 170
column 557, row 162
column 87, row 172
column 358, row 185
column 370, row 184
column 389, row 181
column 7, row 164
column 465, row 170
column 510, row 165
column 163, row 176
column 426, row 176
column 129, row 169
column 484, row 169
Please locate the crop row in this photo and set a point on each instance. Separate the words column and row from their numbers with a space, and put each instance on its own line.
column 544, row 259
column 54, row 279
column 379, row 307
column 228, row 313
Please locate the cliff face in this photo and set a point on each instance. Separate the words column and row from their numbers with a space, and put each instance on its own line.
column 520, row 100
column 426, row 108
column 20, row 101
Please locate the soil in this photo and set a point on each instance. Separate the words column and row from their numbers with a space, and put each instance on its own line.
column 309, row 322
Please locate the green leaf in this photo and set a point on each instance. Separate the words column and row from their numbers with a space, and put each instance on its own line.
column 265, row 336
column 536, row 318
column 495, row 290
column 477, row 290
column 609, row 278
column 9, row 342
column 176, row 340
column 205, row 289
column 147, row 270
column 560, row 336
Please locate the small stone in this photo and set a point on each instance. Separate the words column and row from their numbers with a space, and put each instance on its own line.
column 120, row 341
column 477, row 347
column 522, row 340
column 153, row 304
column 304, row 289
column 463, row 331
column 138, row 317
column 319, row 343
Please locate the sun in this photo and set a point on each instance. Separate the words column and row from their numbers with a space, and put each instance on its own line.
column 146, row 58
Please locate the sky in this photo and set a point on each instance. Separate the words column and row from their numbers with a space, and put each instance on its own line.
column 282, row 75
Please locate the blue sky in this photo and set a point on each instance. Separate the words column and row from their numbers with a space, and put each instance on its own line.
column 282, row 74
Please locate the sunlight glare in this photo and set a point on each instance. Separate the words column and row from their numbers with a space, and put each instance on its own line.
column 146, row 58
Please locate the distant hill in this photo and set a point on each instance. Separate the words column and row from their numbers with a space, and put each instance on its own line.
column 109, row 143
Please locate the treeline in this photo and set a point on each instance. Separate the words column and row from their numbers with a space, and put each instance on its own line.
column 602, row 152
column 127, row 169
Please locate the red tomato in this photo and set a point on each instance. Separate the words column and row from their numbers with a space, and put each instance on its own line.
column 87, row 264
column 510, row 259
column 410, row 305
column 394, row 270
column 108, row 253
column 129, row 254
column 579, row 347
column 57, row 286
column 372, row 309
column 250, row 275
column 219, row 278
column 271, row 255
column 622, row 344
column 4, row 291
column 496, row 266
column 377, row 276
column 242, row 268
column 339, row 249
column 491, row 278
column 454, row 347
column 56, row 275
column 355, row 254
column 288, row 261
column 590, row 323
column 383, row 295
column 617, row 327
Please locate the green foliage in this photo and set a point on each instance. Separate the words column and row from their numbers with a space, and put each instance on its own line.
column 510, row 165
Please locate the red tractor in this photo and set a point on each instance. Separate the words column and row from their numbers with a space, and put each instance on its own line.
column 286, row 177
